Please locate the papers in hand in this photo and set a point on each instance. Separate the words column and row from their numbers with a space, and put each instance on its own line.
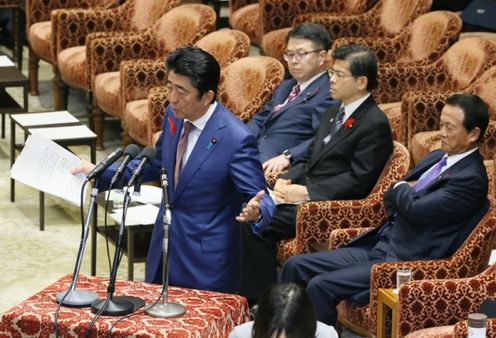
column 45, row 165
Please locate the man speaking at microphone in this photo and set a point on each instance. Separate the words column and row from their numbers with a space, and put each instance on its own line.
column 212, row 165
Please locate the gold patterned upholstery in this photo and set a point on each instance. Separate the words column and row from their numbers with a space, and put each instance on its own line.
column 411, row 91
column 178, row 27
column 386, row 19
column 245, row 86
column 41, row 29
column 139, row 76
column 421, row 302
column 316, row 219
column 257, row 19
column 424, row 41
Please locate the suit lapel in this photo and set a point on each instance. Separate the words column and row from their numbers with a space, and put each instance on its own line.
column 210, row 137
column 169, row 144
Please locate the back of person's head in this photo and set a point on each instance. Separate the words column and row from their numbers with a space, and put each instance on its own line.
column 313, row 32
column 362, row 61
column 475, row 112
column 284, row 309
column 199, row 66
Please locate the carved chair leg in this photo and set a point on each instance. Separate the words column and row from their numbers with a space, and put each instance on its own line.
column 98, row 120
column 34, row 61
column 60, row 91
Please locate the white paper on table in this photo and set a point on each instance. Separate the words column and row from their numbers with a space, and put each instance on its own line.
column 142, row 214
column 5, row 61
column 45, row 165
column 148, row 195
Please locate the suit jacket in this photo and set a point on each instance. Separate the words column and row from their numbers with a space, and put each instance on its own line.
column 349, row 165
column 434, row 222
column 221, row 173
column 293, row 126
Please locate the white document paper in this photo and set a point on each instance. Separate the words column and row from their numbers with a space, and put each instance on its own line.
column 6, row 62
column 45, row 165
column 142, row 214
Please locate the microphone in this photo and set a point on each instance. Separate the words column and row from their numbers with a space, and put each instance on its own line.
column 131, row 152
column 146, row 155
column 104, row 164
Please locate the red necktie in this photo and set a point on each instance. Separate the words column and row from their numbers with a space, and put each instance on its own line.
column 292, row 95
column 181, row 148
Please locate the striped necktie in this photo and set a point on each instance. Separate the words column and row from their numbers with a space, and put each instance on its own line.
column 295, row 91
column 336, row 125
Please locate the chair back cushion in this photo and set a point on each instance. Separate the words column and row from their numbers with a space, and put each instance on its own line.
column 246, row 84
column 397, row 14
column 143, row 13
column 226, row 45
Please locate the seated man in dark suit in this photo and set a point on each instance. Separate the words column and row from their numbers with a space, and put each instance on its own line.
column 431, row 212
column 285, row 126
column 349, row 151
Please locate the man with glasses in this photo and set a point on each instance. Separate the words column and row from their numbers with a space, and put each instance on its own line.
column 285, row 126
column 349, row 151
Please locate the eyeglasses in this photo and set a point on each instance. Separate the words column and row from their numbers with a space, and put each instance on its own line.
column 338, row 74
column 298, row 55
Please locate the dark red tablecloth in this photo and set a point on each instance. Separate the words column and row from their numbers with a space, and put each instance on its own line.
column 209, row 314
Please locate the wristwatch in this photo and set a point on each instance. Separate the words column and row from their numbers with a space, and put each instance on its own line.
column 288, row 155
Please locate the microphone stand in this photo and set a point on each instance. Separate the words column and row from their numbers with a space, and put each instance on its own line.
column 123, row 305
column 74, row 297
column 165, row 309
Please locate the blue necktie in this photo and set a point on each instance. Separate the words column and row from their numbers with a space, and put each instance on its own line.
column 336, row 125
column 430, row 175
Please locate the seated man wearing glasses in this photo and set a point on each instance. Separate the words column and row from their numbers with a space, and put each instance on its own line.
column 285, row 126
column 349, row 151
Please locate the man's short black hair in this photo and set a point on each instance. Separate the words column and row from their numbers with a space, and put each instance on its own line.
column 362, row 60
column 475, row 112
column 199, row 66
column 313, row 32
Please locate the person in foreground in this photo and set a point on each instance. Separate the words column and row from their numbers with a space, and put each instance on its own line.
column 284, row 311
column 431, row 212
column 348, row 154
column 216, row 170
column 285, row 126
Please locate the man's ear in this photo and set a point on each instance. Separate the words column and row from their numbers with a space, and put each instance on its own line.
column 474, row 134
column 362, row 83
column 208, row 97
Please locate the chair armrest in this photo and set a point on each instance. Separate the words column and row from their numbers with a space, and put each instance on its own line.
column 73, row 26
column 38, row 10
column 316, row 219
column 341, row 237
column 157, row 101
column 139, row 76
column 386, row 49
column 105, row 55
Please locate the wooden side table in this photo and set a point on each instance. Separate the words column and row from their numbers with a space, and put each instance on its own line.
column 12, row 77
column 386, row 298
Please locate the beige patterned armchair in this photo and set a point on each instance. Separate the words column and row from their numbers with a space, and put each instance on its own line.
column 421, row 303
column 41, row 30
column 139, row 76
column 178, row 27
column 316, row 219
column 258, row 18
column 245, row 86
column 386, row 19
column 422, row 42
column 76, row 30
column 456, row 70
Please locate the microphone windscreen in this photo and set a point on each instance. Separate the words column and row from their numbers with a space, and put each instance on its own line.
column 149, row 153
column 132, row 150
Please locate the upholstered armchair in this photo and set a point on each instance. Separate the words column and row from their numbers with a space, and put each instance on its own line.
column 264, row 16
column 316, row 219
column 178, row 27
column 456, row 70
column 41, row 30
column 139, row 76
column 420, row 302
column 76, row 30
column 245, row 86
column 386, row 19
column 422, row 42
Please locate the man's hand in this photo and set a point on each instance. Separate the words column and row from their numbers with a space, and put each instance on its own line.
column 280, row 188
column 84, row 167
column 278, row 163
column 251, row 211
column 296, row 193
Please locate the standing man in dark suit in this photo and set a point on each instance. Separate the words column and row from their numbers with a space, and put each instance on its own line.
column 212, row 163
column 431, row 212
column 349, row 151
column 285, row 126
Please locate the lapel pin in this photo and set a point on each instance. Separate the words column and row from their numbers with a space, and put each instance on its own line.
column 311, row 94
column 212, row 143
